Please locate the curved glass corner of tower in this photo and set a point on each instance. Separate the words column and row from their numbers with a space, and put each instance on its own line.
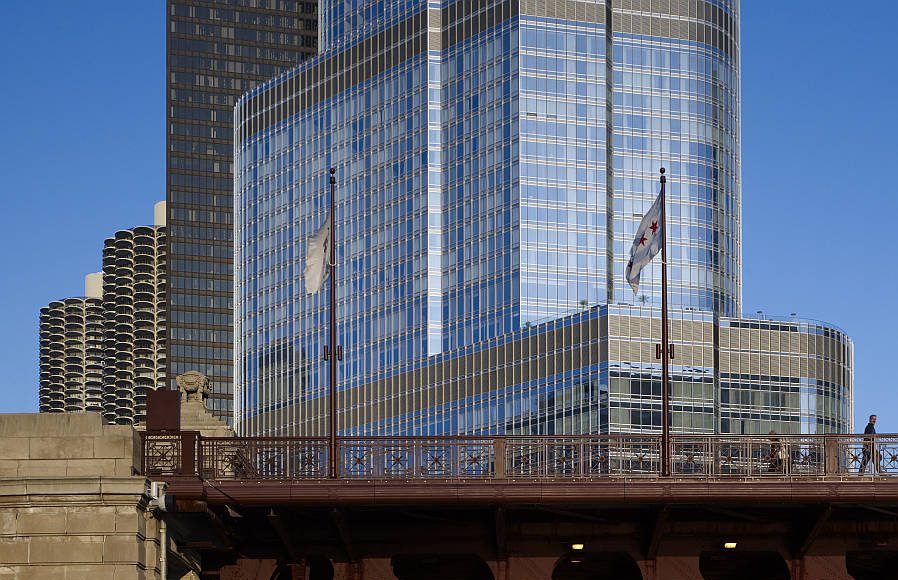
column 493, row 161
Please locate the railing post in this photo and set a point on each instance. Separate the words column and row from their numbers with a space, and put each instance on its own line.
column 499, row 457
column 710, row 458
column 671, row 445
column 787, row 450
column 188, row 453
column 199, row 455
column 581, row 456
column 333, row 451
column 830, row 455
column 143, row 453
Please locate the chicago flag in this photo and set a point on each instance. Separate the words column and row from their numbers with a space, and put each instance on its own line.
column 646, row 244
column 317, row 256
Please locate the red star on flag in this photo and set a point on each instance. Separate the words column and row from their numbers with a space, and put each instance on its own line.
column 646, row 243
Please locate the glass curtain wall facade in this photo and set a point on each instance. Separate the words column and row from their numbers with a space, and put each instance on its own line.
column 216, row 50
column 493, row 160
column 675, row 90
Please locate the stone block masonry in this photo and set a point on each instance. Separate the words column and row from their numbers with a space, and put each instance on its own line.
column 71, row 506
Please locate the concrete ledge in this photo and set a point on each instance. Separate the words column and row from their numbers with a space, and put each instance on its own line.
column 66, row 444
column 50, row 424
column 73, row 490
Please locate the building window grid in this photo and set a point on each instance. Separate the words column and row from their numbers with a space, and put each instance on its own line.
column 414, row 422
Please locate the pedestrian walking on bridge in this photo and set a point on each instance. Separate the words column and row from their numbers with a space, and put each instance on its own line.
column 869, row 451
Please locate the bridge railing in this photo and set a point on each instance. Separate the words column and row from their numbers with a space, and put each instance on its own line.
column 417, row 458
column 263, row 458
column 579, row 456
column 513, row 458
column 751, row 456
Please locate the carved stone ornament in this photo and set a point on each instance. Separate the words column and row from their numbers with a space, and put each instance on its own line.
column 194, row 386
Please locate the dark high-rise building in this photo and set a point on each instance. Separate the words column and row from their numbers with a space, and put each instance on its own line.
column 216, row 51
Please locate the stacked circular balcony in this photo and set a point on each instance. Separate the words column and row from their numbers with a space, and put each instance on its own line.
column 71, row 355
column 134, row 301
column 103, row 353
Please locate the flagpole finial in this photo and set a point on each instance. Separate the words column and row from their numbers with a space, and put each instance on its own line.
column 663, row 178
column 334, row 170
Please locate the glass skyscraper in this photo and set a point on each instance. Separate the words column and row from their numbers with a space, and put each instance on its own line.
column 216, row 50
column 493, row 161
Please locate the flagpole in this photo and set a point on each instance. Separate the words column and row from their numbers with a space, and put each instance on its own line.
column 332, row 355
column 665, row 346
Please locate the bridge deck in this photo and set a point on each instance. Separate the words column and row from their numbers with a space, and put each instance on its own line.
column 878, row 491
column 501, row 498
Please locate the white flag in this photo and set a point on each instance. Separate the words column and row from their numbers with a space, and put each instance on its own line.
column 317, row 256
column 646, row 244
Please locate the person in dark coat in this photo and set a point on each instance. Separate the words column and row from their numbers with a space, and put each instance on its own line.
column 869, row 451
column 775, row 457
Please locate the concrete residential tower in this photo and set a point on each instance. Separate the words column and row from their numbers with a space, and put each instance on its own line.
column 493, row 160
column 105, row 351
column 71, row 351
column 134, row 292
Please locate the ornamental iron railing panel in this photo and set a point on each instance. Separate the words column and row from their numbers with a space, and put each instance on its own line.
column 263, row 458
column 518, row 458
column 582, row 456
column 416, row 458
column 867, row 455
column 748, row 456
column 162, row 453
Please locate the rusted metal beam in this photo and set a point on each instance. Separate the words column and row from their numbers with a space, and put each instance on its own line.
column 290, row 547
column 808, row 538
column 879, row 510
column 602, row 493
column 731, row 513
column 586, row 516
column 501, row 530
column 654, row 539
column 338, row 517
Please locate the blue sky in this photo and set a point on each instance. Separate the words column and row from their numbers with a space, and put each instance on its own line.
column 82, row 155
